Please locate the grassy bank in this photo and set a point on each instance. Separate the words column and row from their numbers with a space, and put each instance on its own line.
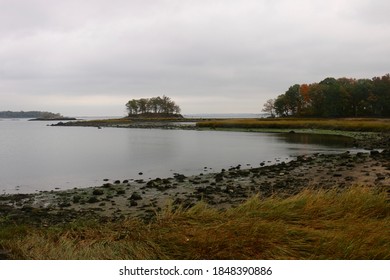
column 366, row 125
column 315, row 224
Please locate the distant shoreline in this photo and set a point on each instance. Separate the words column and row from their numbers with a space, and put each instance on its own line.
column 29, row 115
column 54, row 119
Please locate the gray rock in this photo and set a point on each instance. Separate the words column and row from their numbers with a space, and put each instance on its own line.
column 135, row 196
column 98, row 192
column 133, row 203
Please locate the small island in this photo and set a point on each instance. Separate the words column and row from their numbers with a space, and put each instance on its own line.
column 34, row 115
column 155, row 112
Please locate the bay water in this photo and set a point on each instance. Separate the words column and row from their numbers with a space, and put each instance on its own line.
column 37, row 157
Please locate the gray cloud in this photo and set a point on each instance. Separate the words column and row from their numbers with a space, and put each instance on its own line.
column 228, row 55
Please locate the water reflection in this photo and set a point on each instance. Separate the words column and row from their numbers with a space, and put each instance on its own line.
column 338, row 141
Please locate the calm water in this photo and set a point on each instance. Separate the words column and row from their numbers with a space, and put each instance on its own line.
column 34, row 156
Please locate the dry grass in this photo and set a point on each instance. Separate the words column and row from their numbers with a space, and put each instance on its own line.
column 372, row 125
column 314, row 224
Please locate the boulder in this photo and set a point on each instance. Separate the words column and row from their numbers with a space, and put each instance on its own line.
column 98, row 192
column 135, row 196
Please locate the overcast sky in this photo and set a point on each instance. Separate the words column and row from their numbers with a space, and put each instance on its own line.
column 89, row 57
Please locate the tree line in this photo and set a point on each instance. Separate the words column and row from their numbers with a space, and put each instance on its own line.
column 154, row 105
column 343, row 97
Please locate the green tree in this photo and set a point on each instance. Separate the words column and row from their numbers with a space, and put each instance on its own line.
column 361, row 104
column 381, row 89
column 343, row 97
column 315, row 100
column 294, row 99
column 281, row 107
column 132, row 107
column 143, row 105
column 335, row 101
column 155, row 105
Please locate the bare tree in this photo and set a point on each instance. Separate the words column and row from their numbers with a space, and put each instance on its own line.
column 269, row 107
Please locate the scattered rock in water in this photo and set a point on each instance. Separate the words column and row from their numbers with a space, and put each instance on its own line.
column 345, row 155
column 92, row 199
column 349, row 178
column 152, row 184
column 117, row 182
column 166, row 181
column 98, row 192
column 195, row 182
column 133, row 203
column 374, row 153
column 386, row 153
column 64, row 204
column 120, row 192
column 380, row 177
column 76, row 199
column 135, row 196
column 244, row 173
column 180, row 177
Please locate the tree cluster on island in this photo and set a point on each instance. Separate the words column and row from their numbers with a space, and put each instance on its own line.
column 343, row 97
column 162, row 106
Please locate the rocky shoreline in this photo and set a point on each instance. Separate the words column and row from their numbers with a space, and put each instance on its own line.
column 115, row 200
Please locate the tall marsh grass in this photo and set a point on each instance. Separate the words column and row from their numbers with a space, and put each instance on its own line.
column 315, row 224
column 370, row 125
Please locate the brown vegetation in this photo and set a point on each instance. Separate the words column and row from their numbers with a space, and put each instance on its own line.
column 371, row 125
column 314, row 224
